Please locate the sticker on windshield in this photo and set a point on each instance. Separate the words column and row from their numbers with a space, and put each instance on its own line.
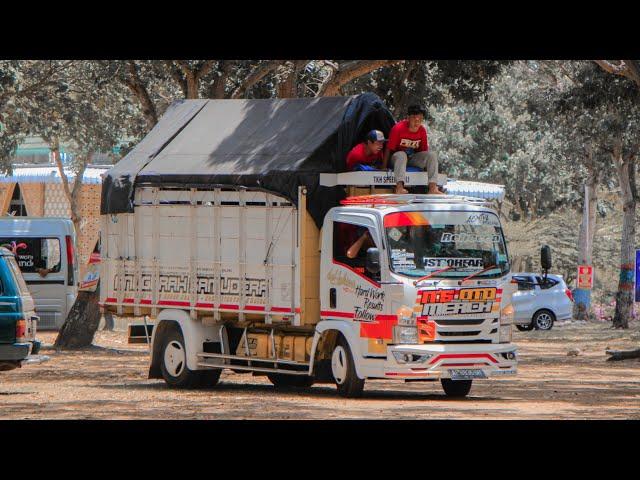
column 400, row 258
column 395, row 235
column 470, row 263
column 482, row 219
column 463, row 237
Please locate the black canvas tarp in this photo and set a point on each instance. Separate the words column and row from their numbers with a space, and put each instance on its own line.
column 275, row 145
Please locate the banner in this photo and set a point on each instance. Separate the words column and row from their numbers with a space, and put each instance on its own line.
column 585, row 277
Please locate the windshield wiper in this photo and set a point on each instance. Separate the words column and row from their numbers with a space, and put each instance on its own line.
column 445, row 269
column 478, row 273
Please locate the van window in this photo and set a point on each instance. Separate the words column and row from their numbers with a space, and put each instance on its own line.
column 34, row 253
column 17, row 275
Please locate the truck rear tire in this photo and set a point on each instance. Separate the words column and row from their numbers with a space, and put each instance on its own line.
column 282, row 380
column 456, row 388
column 344, row 370
column 173, row 364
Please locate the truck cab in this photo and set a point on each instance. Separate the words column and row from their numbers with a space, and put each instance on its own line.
column 430, row 296
column 18, row 321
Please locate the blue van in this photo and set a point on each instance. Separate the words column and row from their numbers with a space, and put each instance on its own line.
column 18, row 321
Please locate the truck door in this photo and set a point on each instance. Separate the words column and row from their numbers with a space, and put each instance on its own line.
column 353, row 292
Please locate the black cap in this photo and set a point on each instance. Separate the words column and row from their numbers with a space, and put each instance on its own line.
column 416, row 110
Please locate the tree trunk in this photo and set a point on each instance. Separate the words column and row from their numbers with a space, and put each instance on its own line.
column 624, row 297
column 288, row 87
column 82, row 322
column 349, row 72
column 582, row 310
column 140, row 93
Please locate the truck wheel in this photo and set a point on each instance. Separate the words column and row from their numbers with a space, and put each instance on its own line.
column 543, row 320
column 525, row 328
column 456, row 388
column 344, row 371
column 173, row 364
column 282, row 380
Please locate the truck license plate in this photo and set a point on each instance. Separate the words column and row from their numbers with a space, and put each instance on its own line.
column 466, row 373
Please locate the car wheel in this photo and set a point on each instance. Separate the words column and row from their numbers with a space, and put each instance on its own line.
column 173, row 364
column 344, row 371
column 525, row 328
column 543, row 320
column 456, row 388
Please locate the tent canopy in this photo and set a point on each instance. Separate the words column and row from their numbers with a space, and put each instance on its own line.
column 274, row 144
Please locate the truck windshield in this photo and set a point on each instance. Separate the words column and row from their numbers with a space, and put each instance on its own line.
column 423, row 242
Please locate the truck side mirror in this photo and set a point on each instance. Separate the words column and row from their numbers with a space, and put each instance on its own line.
column 373, row 260
column 545, row 257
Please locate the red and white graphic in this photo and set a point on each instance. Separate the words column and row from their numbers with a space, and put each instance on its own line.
column 585, row 277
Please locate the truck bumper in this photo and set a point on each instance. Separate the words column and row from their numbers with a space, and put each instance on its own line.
column 433, row 361
column 15, row 351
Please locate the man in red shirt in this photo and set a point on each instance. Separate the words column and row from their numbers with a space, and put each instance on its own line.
column 367, row 153
column 408, row 145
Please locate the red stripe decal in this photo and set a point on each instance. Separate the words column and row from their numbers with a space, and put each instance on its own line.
column 174, row 303
column 463, row 355
column 204, row 305
column 229, row 306
column 464, row 364
column 254, row 307
column 372, row 282
column 330, row 313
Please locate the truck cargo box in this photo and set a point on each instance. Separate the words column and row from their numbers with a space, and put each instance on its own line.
column 230, row 253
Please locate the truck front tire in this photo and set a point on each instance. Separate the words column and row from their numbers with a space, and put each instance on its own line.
column 456, row 388
column 344, row 370
column 173, row 364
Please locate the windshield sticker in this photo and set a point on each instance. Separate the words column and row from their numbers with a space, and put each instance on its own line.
column 462, row 237
column 400, row 258
column 395, row 234
column 471, row 263
column 482, row 219
column 405, row 219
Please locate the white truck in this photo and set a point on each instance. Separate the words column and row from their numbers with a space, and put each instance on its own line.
column 242, row 277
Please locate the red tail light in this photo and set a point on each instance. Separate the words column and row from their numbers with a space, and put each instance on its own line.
column 70, row 260
column 21, row 330
column 569, row 294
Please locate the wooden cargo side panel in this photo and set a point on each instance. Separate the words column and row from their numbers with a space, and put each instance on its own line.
column 309, row 266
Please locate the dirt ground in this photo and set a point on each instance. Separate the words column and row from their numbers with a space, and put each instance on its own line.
column 109, row 382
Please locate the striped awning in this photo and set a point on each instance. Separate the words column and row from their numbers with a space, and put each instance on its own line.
column 50, row 174
column 487, row 191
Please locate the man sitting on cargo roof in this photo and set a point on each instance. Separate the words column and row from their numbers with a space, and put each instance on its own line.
column 408, row 145
column 367, row 155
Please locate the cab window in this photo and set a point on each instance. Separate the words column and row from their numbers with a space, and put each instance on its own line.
column 350, row 245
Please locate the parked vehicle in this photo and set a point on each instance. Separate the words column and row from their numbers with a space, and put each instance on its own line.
column 539, row 302
column 240, row 252
column 45, row 252
column 18, row 321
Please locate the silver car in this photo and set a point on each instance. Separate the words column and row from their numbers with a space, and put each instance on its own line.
column 538, row 304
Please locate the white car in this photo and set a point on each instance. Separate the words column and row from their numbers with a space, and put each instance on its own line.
column 538, row 304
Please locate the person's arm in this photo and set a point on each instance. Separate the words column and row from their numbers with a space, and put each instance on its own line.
column 424, row 144
column 391, row 145
column 354, row 249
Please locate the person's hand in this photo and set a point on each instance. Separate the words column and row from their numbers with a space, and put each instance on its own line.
column 43, row 272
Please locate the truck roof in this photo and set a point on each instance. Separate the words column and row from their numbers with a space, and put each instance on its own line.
column 275, row 145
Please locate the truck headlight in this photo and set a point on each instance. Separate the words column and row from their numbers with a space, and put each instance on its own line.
column 505, row 334
column 506, row 315
column 405, row 334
